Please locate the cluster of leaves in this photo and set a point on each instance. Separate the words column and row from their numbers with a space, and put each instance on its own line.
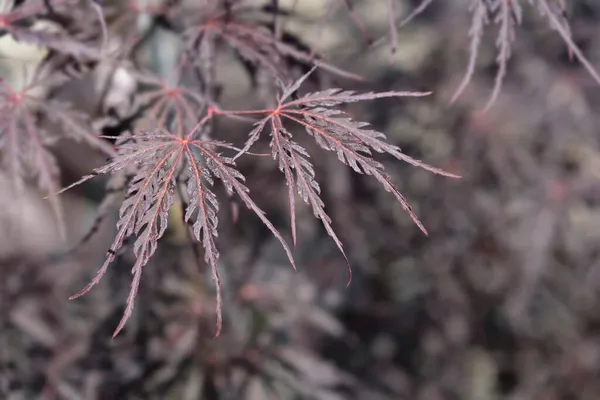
column 506, row 16
column 159, row 159
column 171, row 151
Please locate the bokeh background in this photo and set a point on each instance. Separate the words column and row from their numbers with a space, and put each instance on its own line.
column 500, row 301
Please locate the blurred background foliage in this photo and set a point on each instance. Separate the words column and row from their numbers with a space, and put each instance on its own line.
column 500, row 301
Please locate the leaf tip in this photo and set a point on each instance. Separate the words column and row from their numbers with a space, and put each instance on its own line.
column 219, row 316
column 218, row 333
column 80, row 293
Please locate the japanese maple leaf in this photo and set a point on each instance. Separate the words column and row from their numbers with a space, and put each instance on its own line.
column 158, row 159
column 354, row 143
column 173, row 108
column 213, row 23
column 25, row 143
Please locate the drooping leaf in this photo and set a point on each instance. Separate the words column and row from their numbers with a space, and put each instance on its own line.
column 158, row 159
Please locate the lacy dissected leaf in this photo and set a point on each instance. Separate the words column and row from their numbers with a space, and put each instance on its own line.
column 26, row 138
column 252, row 40
column 171, row 108
column 158, row 160
column 354, row 143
